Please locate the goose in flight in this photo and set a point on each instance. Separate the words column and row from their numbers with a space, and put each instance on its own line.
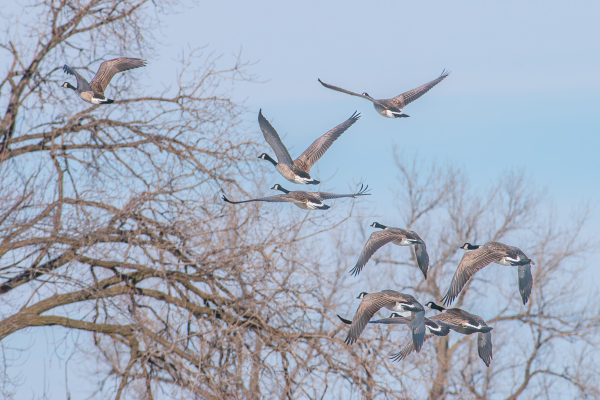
column 480, row 256
column 397, row 236
column 392, row 300
column 298, row 170
column 392, row 108
column 304, row 200
column 466, row 323
column 440, row 325
column 93, row 92
column 433, row 328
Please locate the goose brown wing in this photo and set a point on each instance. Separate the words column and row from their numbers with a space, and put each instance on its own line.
column 392, row 320
column 370, row 304
column 471, row 262
column 406, row 98
column 272, row 137
column 457, row 316
column 82, row 84
column 408, row 348
column 484, row 347
column 109, row 68
column 448, row 319
column 280, row 198
column 339, row 89
column 375, row 242
column 361, row 192
column 316, row 150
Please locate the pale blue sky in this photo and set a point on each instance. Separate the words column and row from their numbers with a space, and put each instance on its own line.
column 524, row 92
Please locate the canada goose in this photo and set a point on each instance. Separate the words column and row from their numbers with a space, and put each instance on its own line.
column 432, row 327
column 397, row 236
column 466, row 323
column 93, row 92
column 481, row 256
column 392, row 300
column 298, row 170
column 392, row 108
column 304, row 200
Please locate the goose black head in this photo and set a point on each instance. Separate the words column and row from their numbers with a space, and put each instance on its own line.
column 395, row 315
column 366, row 94
column 434, row 306
column 266, row 157
column 362, row 295
column 68, row 86
column 378, row 225
column 469, row 246
column 278, row 187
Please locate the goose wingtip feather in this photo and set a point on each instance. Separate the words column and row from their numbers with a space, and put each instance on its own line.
column 355, row 116
column 355, row 270
column 447, row 300
column 445, row 73
column 396, row 357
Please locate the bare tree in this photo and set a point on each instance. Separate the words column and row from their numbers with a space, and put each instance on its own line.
column 111, row 224
column 111, row 221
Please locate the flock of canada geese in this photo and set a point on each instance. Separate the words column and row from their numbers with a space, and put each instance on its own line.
column 297, row 171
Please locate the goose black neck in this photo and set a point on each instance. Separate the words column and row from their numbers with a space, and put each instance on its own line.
column 268, row 158
column 282, row 189
column 434, row 306
column 71, row 86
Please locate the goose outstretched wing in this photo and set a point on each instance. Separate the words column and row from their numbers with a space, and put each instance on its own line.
column 339, row 89
column 82, row 84
column 316, row 150
column 272, row 137
column 370, row 304
column 406, row 98
column 109, row 68
column 408, row 348
column 471, row 262
column 361, row 192
column 376, row 241
column 280, row 198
